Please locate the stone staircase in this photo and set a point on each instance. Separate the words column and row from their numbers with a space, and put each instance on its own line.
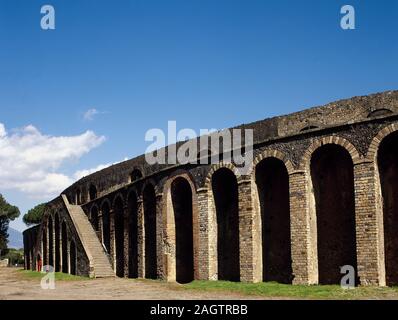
column 100, row 267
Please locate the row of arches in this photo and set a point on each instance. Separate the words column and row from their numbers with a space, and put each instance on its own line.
column 332, row 199
column 78, row 197
column 120, row 224
column 58, row 247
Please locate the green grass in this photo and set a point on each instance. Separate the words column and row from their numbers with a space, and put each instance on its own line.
column 27, row 274
column 276, row 290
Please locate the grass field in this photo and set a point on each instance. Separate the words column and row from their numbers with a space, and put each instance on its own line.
column 58, row 276
column 271, row 289
column 257, row 290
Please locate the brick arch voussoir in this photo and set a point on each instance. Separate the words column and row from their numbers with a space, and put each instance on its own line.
column 267, row 154
column 218, row 166
column 377, row 140
column 106, row 201
column 130, row 192
column 119, row 195
column 179, row 174
column 319, row 142
column 150, row 182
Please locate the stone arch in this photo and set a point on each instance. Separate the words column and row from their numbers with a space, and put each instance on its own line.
column 273, row 154
column 132, row 209
column 72, row 257
column 272, row 202
column 92, row 192
column 375, row 144
column 117, row 197
column 44, row 243
column 386, row 173
column 332, row 207
column 181, row 222
column 94, row 213
column 78, row 197
column 150, row 230
column 57, row 230
column 39, row 262
column 135, row 175
column 64, row 251
column 50, row 229
column 319, row 142
column 216, row 167
column 118, row 213
column 223, row 184
column 379, row 112
column 106, row 224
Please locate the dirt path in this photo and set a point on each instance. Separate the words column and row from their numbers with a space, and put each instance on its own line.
column 14, row 286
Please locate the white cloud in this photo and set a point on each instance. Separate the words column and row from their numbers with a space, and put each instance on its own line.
column 30, row 161
column 90, row 114
column 83, row 173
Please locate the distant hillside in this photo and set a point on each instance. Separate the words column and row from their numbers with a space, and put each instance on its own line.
column 15, row 239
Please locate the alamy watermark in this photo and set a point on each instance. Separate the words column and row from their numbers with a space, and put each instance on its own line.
column 209, row 147
column 48, row 281
column 348, row 280
column 47, row 22
column 347, row 22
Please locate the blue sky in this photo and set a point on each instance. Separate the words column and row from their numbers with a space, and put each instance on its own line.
column 203, row 63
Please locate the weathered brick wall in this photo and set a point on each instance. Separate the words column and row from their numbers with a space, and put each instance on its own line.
column 37, row 245
column 357, row 125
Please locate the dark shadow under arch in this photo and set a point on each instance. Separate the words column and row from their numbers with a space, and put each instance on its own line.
column 92, row 192
column 72, row 251
column 149, row 198
column 50, row 242
column 225, row 193
column 388, row 171
column 94, row 218
column 119, row 236
column 64, row 239
column 57, row 244
column 133, row 235
column 181, row 195
column 332, row 177
column 106, row 227
column 272, row 181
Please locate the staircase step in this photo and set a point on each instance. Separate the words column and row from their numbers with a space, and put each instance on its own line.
column 88, row 236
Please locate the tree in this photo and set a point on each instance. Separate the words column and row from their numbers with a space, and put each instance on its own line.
column 34, row 215
column 8, row 213
column 15, row 256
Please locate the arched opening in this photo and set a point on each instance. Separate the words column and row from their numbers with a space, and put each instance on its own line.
column 388, row 171
column 39, row 263
column 78, row 200
column 119, row 236
column 27, row 261
column 72, row 250
column 45, row 248
column 64, row 238
column 379, row 112
column 32, row 261
column 333, row 184
column 57, row 244
column 94, row 218
column 149, row 199
column 272, row 181
column 135, row 175
column 50, row 242
column 181, row 195
column 133, row 235
column 106, row 227
column 92, row 192
column 225, row 193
